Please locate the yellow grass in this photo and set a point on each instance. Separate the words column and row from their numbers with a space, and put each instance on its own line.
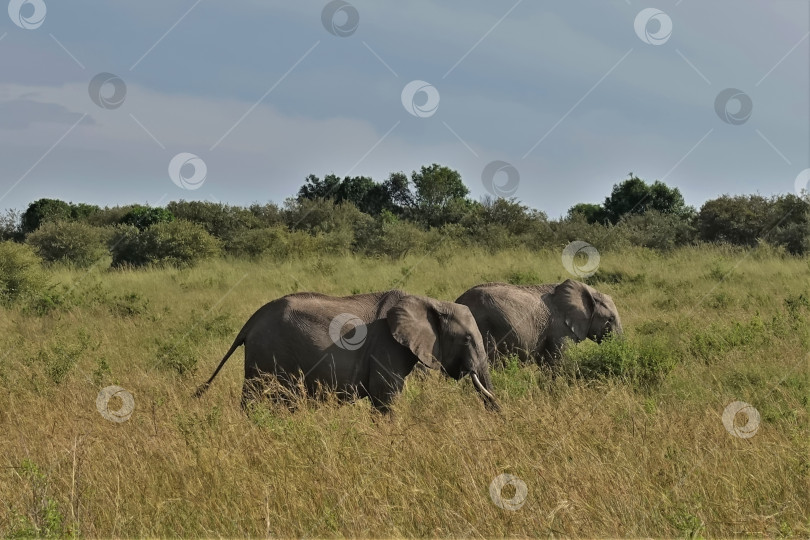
column 599, row 457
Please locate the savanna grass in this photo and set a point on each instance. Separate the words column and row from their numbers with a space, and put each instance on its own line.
column 627, row 442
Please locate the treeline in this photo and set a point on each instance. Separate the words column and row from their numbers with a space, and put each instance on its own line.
column 395, row 217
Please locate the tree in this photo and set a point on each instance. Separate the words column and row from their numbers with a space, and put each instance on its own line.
column 593, row 213
column 82, row 211
column 315, row 188
column 367, row 195
column 399, row 191
column 10, row 227
column 144, row 217
column 362, row 191
column 746, row 219
column 440, row 197
column 44, row 210
column 635, row 196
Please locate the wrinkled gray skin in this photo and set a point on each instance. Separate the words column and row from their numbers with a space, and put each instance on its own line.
column 290, row 336
column 534, row 320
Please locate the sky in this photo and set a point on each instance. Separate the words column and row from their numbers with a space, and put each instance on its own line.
column 549, row 102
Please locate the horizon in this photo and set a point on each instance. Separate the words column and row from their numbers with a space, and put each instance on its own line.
column 143, row 104
column 480, row 199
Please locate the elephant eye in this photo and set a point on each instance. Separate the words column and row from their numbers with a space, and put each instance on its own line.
column 467, row 338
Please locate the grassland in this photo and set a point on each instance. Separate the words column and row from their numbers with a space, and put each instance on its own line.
column 629, row 443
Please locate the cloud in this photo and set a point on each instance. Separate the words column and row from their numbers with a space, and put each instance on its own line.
column 19, row 114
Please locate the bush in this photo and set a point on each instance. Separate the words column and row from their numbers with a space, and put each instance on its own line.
column 219, row 220
column 643, row 364
column 576, row 227
column 267, row 215
column 178, row 243
column 276, row 242
column 745, row 219
column 21, row 272
column 75, row 242
column 397, row 239
column 144, row 217
column 109, row 216
column 656, row 230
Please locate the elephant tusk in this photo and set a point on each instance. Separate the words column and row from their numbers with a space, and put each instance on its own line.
column 481, row 386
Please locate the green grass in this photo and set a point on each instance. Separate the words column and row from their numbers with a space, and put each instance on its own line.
column 629, row 441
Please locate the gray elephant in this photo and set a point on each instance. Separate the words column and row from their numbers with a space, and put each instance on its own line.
column 534, row 320
column 359, row 346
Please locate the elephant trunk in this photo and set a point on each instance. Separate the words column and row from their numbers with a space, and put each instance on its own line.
column 485, row 389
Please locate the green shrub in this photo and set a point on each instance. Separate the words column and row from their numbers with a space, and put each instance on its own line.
column 75, row 242
column 219, row 220
column 644, row 364
column 177, row 243
column 42, row 518
column 576, row 227
column 745, row 219
column 276, row 242
column 257, row 242
column 515, row 380
column 128, row 305
column 657, row 230
column 397, row 239
column 523, row 277
column 59, row 358
column 21, row 273
column 144, row 217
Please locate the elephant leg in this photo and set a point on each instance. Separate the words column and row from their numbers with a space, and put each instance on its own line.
column 383, row 391
column 250, row 390
column 252, row 386
column 380, row 405
column 550, row 358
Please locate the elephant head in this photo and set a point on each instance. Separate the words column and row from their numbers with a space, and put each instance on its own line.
column 588, row 313
column 443, row 336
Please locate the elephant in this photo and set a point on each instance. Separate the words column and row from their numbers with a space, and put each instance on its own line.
column 534, row 320
column 360, row 346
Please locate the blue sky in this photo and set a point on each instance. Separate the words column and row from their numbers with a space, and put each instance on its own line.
column 567, row 92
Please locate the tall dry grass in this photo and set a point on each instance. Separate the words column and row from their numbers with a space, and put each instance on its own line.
column 600, row 456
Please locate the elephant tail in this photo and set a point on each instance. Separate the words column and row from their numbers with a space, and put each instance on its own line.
column 238, row 342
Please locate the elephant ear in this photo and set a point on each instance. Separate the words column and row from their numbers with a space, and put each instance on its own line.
column 415, row 324
column 576, row 304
